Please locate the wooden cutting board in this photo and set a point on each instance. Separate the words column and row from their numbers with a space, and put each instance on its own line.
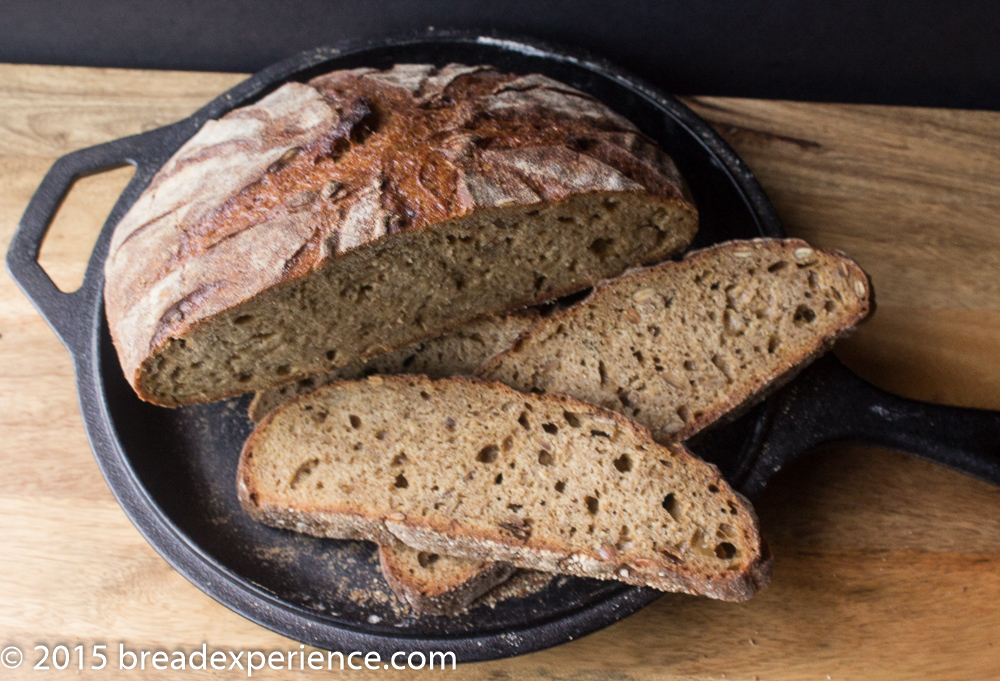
column 886, row 567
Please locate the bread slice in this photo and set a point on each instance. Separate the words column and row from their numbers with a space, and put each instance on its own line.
column 680, row 345
column 457, row 353
column 365, row 211
column 468, row 468
column 434, row 584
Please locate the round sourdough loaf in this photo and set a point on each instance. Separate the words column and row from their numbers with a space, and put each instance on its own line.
column 365, row 211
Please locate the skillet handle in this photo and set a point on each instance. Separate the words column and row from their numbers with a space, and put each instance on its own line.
column 62, row 310
column 829, row 403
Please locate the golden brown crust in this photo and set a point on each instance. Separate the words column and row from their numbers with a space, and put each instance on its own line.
column 452, row 538
column 275, row 190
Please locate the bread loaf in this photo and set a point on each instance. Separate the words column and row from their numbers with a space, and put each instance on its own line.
column 680, row 345
column 365, row 211
column 474, row 469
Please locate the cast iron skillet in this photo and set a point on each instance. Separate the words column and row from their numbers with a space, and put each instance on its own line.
column 173, row 470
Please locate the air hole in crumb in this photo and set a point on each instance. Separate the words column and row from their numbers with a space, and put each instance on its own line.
column 623, row 463
column 380, row 434
column 508, row 443
column 283, row 370
column 488, row 454
column 401, row 482
column 330, row 355
column 778, row 266
column 303, row 472
column 592, row 505
column 399, row 459
column 689, row 365
column 560, row 486
column 804, row 314
column 514, row 507
column 772, row 344
column 572, row 419
column 449, row 424
column 725, row 550
column 355, row 421
column 523, row 420
column 670, row 506
column 829, row 306
column 427, row 559
column 243, row 319
column 714, row 489
column 244, row 377
column 550, row 428
column 425, row 395
column 499, row 479
column 683, row 413
column 600, row 246
column 545, row 458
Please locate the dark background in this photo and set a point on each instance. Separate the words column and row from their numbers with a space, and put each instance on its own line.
column 919, row 52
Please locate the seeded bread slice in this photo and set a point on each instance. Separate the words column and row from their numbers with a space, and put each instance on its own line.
column 434, row 584
column 458, row 353
column 365, row 211
column 468, row 468
column 680, row 345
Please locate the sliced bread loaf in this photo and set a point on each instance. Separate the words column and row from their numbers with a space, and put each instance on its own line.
column 680, row 345
column 430, row 583
column 434, row 584
column 365, row 211
column 457, row 353
column 474, row 469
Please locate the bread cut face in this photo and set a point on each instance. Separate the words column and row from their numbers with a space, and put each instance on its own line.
column 458, row 353
column 365, row 211
column 680, row 345
column 434, row 584
column 474, row 469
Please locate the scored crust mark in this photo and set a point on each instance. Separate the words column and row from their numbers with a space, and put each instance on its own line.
column 681, row 345
column 610, row 504
column 401, row 204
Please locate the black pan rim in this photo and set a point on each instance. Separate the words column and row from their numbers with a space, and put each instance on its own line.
column 252, row 601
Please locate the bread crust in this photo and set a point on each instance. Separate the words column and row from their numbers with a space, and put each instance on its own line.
column 453, row 539
column 279, row 189
column 442, row 596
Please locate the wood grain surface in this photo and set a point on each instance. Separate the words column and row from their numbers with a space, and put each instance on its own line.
column 886, row 567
